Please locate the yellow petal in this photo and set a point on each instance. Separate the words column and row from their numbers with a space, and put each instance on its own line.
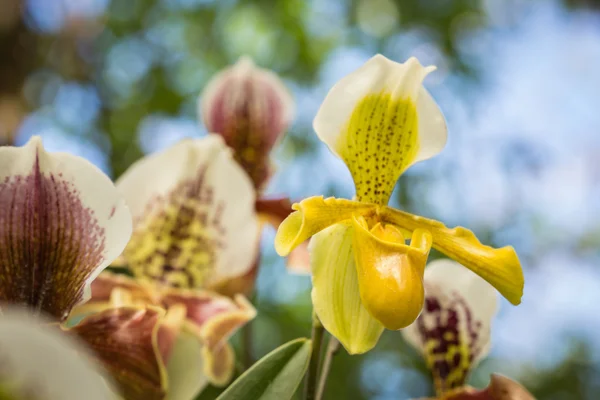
column 390, row 273
column 335, row 293
column 312, row 216
column 500, row 267
column 219, row 364
column 380, row 120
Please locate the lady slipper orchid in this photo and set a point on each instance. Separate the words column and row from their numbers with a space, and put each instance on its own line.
column 251, row 109
column 62, row 221
column 195, row 224
column 202, row 320
column 204, row 317
column 40, row 363
column 380, row 120
column 453, row 333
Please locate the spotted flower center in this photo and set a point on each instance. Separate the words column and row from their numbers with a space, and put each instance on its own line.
column 380, row 142
column 177, row 240
column 449, row 334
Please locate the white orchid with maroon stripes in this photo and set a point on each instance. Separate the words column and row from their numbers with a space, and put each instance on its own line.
column 62, row 221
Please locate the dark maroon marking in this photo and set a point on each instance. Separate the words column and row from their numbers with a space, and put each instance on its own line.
column 112, row 212
column 50, row 243
column 249, row 113
column 454, row 308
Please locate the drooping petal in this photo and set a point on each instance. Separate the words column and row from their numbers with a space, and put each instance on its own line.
column 62, row 221
column 251, row 108
column 274, row 211
column 380, row 120
column 185, row 368
column 194, row 217
column 390, row 273
column 500, row 267
column 134, row 344
column 335, row 293
column 312, row 215
column 453, row 332
column 219, row 364
column 213, row 319
column 39, row 362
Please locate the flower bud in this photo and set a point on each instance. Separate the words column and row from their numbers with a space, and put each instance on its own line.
column 251, row 108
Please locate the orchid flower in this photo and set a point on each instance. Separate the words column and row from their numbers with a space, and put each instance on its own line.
column 453, row 332
column 380, row 120
column 200, row 321
column 193, row 207
column 251, row 109
column 195, row 227
column 40, row 363
column 62, row 221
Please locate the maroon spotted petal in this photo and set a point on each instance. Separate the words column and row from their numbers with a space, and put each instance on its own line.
column 56, row 211
column 453, row 330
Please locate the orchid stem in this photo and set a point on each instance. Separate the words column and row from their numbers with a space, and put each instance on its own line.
column 332, row 348
column 247, row 341
column 310, row 384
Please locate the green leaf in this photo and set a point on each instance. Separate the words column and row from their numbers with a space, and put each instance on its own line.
column 274, row 377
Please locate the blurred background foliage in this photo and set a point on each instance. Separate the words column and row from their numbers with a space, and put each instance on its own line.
column 517, row 79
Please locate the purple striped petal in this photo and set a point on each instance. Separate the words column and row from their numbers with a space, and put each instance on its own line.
column 251, row 109
column 57, row 214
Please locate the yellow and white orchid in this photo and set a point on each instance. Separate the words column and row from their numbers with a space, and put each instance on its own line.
column 380, row 120
column 62, row 221
column 38, row 362
column 453, row 333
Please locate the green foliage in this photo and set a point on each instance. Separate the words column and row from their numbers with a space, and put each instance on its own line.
column 274, row 377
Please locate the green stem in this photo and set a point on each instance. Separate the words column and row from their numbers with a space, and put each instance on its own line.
column 247, row 353
column 310, row 384
column 332, row 348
